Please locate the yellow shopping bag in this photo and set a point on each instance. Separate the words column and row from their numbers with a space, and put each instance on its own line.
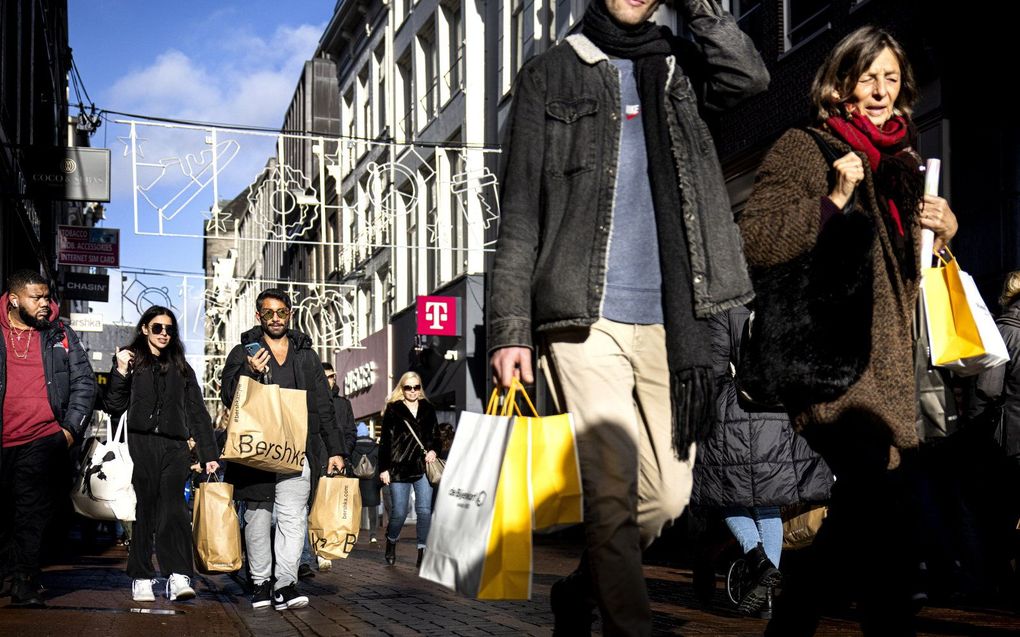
column 506, row 572
column 961, row 331
column 951, row 326
column 554, row 468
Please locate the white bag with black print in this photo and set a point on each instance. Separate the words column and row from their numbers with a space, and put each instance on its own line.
column 103, row 490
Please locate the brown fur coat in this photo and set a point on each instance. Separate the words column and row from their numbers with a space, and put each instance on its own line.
column 781, row 221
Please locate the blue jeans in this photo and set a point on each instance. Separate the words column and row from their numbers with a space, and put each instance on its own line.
column 400, row 493
column 757, row 524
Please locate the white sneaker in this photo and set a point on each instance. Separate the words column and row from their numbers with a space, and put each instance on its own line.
column 324, row 564
column 141, row 590
column 178, row 587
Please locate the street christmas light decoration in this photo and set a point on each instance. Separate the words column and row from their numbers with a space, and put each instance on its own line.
column 202, row 162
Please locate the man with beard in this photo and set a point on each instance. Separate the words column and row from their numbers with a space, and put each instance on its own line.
column 47, row 389
column 616, row 244
column 285, row 358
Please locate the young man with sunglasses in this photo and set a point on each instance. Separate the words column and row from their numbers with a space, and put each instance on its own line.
column 47, row 389
column 272, row 353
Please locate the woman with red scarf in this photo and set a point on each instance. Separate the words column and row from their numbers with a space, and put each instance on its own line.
column 846, row 197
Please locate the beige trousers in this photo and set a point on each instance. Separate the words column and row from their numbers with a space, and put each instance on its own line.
column 613, row 378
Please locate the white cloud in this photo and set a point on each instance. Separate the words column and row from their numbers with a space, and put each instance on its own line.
column 242, row 79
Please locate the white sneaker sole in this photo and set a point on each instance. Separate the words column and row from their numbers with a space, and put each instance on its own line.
column 297, row 602
column 144, row 598
column 183, row 596
column 262, row 604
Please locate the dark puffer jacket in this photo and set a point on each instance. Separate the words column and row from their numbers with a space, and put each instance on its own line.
column 399, row 452
column 753, row 458
column 70, row 382
column 998, row 389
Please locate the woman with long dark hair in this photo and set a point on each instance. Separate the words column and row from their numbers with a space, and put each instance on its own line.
column 155, row 385
column 410, row 434
column 846, row 197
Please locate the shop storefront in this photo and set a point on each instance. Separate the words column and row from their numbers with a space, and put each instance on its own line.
column 363, row 376
column 442, row 338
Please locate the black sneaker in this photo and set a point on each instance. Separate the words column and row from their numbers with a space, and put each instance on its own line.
column 573, row 614
column 262, row 594
column 305, row 572
column 288, row 597
column 25, row 592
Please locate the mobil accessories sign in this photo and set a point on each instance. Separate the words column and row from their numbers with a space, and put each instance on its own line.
column 81, row 245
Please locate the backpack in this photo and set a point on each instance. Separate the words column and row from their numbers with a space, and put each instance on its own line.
column 364, row 468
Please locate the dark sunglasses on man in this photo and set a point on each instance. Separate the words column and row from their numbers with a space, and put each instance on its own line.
column 267, row 315
column 157, row 328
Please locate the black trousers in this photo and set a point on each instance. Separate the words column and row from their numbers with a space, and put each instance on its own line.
column 162, row 466
column 31, row 477
column 866, row 548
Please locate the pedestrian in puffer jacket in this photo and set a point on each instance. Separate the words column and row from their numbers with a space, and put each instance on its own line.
column 752, row 464
column 154, row 384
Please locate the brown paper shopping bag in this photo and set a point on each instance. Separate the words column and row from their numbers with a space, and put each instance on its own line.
column 335, row 517
column 216, row 528
column 267, row 427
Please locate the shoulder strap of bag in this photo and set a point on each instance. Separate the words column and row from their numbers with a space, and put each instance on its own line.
column 831, row 155
column 411, row 429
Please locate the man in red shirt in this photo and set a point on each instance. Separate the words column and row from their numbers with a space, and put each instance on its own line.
column 47, row 389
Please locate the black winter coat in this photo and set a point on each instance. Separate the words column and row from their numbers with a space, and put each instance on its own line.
column 70, row 381
column 324, row 437
column 998, row 389
column 752, row 458
column 344, row 417
column 369, row 486
column 174, row 411
column 399, row 452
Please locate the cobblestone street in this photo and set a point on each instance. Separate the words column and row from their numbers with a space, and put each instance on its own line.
column 362, row 596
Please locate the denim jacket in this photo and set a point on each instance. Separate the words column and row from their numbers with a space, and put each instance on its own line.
column 559, row 178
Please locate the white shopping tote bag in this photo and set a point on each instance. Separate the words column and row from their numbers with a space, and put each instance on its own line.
column 103, row 489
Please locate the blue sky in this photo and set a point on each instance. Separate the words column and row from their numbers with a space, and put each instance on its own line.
column 210, row 61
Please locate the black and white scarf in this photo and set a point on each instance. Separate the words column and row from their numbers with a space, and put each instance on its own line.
column 688, row 339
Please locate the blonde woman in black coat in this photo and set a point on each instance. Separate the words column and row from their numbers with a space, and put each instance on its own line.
column 408, row 419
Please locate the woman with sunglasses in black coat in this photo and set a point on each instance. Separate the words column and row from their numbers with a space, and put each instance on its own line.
column 410, row 435
column 154, row 384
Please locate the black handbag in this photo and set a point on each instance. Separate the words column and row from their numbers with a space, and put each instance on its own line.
column 809, row 336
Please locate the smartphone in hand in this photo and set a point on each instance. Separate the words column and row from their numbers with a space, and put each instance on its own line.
column 253, row 348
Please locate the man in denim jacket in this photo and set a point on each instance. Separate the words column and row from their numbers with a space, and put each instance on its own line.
column 616, row 243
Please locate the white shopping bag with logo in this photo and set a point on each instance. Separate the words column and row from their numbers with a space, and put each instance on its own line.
column 103, row 490
column 479, row 543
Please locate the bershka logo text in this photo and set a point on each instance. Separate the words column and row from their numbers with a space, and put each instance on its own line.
column 248, row 447
column 466, row 497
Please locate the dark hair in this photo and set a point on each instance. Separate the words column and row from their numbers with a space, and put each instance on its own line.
column 848, row 61
column 23, row 278
column 446, row 435
column 272, row 293
column 327, row 367
column 172, row 354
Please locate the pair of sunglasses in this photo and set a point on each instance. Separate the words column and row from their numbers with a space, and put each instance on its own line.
column 267, row 315
column 412, row 387
column 158, row 328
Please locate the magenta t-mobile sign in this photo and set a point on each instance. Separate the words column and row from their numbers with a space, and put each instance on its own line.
column 437, row 315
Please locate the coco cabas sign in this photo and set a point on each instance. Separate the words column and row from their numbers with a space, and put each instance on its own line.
column 69, row 174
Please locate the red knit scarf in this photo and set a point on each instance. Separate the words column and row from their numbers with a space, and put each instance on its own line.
column 864, row 136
